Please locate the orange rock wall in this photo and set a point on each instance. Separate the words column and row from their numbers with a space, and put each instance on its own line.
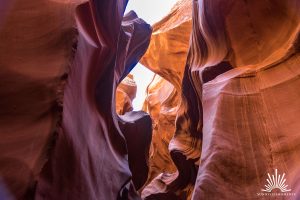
column 239, row 88
column 126, row 92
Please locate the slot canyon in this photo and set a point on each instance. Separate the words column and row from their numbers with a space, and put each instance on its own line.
column 219, row 119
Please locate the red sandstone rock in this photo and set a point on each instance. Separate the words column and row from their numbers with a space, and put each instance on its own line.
column 161, row 103
column 36, row 39
column 169, row 44
column 239, row 99
column 237, row 116
column 166, row 56
column 249, row 112
column 90, row 156
column 87, row 151
column 137, row 129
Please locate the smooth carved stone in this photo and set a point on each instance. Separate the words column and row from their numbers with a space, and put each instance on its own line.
column 169, row 43
column 253, row 139
column 126, row 92
column 90, row 157
column 166, row 56
column 137, row 129
column 239, row 99
column 210, row 73
column 233, row 87
column 36, row 41
column 250, row 125
column 161, row 103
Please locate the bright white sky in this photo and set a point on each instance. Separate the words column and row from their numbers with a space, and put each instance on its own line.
column 151, row 11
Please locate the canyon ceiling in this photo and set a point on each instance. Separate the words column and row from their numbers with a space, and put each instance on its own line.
column 221, row 112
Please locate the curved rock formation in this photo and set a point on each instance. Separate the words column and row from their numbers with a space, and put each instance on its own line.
column 249, row 126
column 170, row 184
column 137, row 129
column 72, row 123
column 89, row 160
column 126, row 92
column 35, row 51
column 169, row 44
column 233, row 87
column 239, row 100
column 161, row 103
column 166, row 56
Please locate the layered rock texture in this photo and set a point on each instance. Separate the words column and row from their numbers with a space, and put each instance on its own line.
column 169, row 44
column 126, row 92
column 249, row 128
column 91, row 140
column 62, row 139
column 223, row 106
column 174, row 154
column 161, row 103
column 35, row 52
column 238, row 100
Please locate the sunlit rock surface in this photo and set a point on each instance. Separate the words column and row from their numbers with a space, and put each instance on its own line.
column 169, row 44
column 126, row 92
column 238, row 102
column 166, row 56
column 161, row 103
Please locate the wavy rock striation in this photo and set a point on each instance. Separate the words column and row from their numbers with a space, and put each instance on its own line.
column 249, row 126
column 161, row 103
column 126, row 92
column 224, row 103
column 90, row 156
column 239, row 92
column 169, row 44
column 166, row 56
column 61, row 137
